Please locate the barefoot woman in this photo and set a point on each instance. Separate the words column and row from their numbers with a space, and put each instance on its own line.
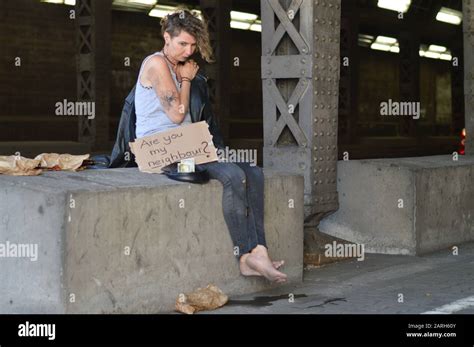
column 162, row 102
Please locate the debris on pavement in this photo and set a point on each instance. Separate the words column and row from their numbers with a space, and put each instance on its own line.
column 202, row 299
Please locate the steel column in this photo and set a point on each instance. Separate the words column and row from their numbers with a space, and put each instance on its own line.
column 217, row 14
column 300, row 75
column 93, row 68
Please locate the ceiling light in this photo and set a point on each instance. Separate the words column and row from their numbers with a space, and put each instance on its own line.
column 445, row 57
column 143, row 2
column 435, row 48
column 450, row 16
column 395, row 5
column 386, row 40
column 161, row 11
column 242, row 16
column 239, row 25
column 432, row 55
column 380, row 47
column 257, row 26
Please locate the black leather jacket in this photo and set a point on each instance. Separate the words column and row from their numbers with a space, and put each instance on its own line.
column 199, row 107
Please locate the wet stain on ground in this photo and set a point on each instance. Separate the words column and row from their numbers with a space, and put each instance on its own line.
column 262, row 301
column 329, row 301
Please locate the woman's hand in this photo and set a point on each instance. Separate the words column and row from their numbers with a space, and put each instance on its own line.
column 188, row 69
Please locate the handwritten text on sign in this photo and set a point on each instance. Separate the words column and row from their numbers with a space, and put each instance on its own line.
column 154, row 152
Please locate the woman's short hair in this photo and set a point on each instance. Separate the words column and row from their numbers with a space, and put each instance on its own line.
column 183, row 19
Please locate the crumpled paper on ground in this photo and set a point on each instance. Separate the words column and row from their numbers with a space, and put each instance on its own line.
column 202, row 299
column 20, row 166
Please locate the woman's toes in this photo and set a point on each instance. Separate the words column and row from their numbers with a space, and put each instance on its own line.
column 278, row 264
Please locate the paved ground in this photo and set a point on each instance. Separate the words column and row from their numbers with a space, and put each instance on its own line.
column 440, row 281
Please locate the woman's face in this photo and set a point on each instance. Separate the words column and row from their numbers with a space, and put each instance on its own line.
column 181, row 47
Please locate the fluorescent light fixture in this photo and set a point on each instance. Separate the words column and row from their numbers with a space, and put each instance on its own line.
column 366, row 37
column 257, row 26
column 422, row 53
column 395, row 49
column 53, row 1
column 446, row 57
column 143, row 2
column 70, row 2
column 239, row 25
column 432, row 55
column 242, row 16
column 380, row 47
column 436, row 48
column 450, row 16
column 161, row 11
column 245, row 21
column 365, row 40
column 395, row 5
column 386, row 40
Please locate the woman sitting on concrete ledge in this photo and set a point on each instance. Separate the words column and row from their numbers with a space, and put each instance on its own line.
column 162, row 98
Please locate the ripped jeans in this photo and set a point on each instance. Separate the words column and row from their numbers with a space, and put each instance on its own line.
column 242, row 202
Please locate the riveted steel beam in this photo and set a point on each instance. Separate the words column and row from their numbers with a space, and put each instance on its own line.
column 93, row 68
column 217, row 15
column 300, row 80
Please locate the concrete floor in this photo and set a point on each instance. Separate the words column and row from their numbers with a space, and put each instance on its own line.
column 373, row 286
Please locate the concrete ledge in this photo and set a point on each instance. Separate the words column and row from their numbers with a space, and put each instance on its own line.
column 438, row 204
column 83, row 223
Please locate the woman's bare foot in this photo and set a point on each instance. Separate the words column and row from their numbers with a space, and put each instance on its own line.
column 247, row 271
column 258, row 263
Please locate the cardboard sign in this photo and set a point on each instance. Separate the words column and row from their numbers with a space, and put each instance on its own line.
column 154, row 152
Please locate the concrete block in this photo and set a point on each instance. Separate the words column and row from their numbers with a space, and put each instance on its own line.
column 438, row 204
column 117, row 241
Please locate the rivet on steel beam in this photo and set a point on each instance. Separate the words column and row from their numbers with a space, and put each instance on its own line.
column 269, row 72
column 315, row 120
column 269, row 60
column 303, row 49
column 320, row 159
column 303, row 61
column 269, row 50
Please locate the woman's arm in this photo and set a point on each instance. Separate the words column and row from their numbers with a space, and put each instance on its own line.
column 175, row 104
